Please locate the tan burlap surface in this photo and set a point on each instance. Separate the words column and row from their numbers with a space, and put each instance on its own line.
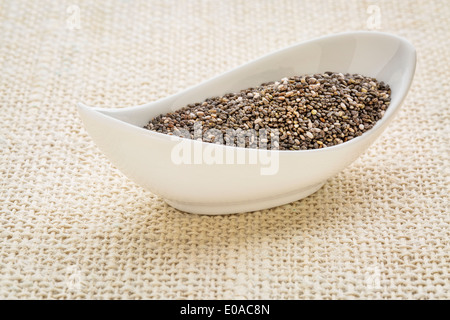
column 72, row 226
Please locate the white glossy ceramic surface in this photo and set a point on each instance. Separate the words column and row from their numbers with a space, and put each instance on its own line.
column 146, row 157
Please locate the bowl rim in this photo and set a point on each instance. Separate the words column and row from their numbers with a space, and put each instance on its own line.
column 391, row 110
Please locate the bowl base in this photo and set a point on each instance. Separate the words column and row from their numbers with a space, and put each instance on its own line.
column 244, row 206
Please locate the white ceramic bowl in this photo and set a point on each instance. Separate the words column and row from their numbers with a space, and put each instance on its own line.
column 146, row 157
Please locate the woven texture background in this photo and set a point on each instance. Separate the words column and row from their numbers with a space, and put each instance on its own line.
column 72, row 226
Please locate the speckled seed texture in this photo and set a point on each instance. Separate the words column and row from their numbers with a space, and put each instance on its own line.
column 305, row 112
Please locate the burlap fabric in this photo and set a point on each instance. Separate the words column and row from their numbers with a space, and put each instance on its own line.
column 72, row 226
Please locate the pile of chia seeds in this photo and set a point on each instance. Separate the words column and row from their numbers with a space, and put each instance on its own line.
column 307, row 112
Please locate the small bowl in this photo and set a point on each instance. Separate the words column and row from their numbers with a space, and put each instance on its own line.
column 152, row 159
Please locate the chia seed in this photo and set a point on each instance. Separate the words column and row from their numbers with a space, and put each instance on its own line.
column 309, row 111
